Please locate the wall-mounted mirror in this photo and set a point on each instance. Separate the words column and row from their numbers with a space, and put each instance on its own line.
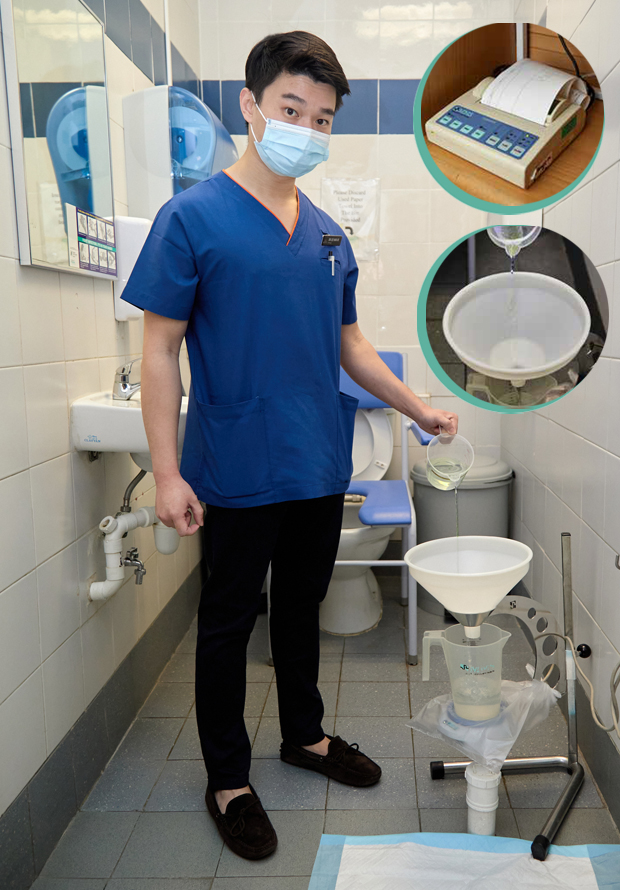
column 55, row 75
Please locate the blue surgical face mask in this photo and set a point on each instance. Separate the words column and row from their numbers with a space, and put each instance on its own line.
column 288, row 149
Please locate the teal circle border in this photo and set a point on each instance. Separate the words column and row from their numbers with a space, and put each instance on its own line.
column 465, row 197
column 429, row 355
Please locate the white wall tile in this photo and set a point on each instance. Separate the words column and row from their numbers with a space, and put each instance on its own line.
column 22, row 737
column 59, row 606
column 5, row 136
column 402, row 269
column 405, row 215
column 19, row 633
column 609, row 150
column 356, row 45
column 10, row 333
column 581, row 229
column 13, row 430
column 603, row 236
column 82, row 379
column 41, row 316
column 400, row 163
column 52, row 506
column 593, row 486
column 89, row 488
column 396, row 321
column 406, row 48
column 17, row 553
column 91, row 567
column 613, row 441
column 46, row 411
column 78, row 316
column 612, row 502
column 63, row 689
column 589, row 571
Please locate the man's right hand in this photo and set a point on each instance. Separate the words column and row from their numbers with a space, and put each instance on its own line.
column 174, row 499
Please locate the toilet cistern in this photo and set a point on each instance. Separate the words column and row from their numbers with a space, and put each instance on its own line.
column 469, row 575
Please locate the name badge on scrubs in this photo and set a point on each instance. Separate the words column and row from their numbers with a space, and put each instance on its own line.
column 331, row 241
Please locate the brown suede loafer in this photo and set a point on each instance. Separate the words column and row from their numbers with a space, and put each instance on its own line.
column 245, row 826
column 343, row 762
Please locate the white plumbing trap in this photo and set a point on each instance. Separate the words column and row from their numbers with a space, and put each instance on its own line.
column 460, row 862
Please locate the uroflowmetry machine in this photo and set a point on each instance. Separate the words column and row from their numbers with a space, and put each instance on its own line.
column 516, row 124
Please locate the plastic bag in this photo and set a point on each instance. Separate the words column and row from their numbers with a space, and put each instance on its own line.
column 488, row 742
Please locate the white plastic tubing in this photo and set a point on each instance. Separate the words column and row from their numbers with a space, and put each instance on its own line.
column 482, row 799
column 114, row 527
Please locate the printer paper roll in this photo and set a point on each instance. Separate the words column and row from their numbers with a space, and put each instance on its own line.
column 528, row 88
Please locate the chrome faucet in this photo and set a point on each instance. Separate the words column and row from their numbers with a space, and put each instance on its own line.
column 123, row 388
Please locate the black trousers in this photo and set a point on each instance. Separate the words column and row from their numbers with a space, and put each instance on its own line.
column 300, row 540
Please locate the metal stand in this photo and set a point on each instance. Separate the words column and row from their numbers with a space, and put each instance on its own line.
column 535, row 615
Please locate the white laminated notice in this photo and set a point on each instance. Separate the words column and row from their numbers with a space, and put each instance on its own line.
column 528, row 89
column 354, row 205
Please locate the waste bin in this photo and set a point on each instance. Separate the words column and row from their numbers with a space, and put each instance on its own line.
column 484, row 508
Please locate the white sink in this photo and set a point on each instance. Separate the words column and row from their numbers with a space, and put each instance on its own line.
column 101, row 423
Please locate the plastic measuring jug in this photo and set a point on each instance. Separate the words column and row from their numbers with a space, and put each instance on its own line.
column 448, row 458
column 474, row 666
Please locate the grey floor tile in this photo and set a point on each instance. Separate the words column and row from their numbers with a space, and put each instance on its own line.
column 255, row 698
column 187, row 746
column 366, row 823
column 150, row 738
column 374, row 668
column 330, row 667
column 329, row 694
column 42, row 883
column 261, row 883
column 91, row 845
column 381, row 640
column 421, row 693
column 393, row 613
column 548, row 738
column 258, row 671
column 281, row 786
column 395, row 790
column 299, row 835
column 542, row 789
column 188, row 643
column 180, row 788
column 171, row 845
column 580, row 826
column 456, row 820
column 373, row 700
column 168, row 700
column 180, row 669
column 377, row 736
column 331, row 643
column 124, row 785
column 159, row 884
column 436, row 794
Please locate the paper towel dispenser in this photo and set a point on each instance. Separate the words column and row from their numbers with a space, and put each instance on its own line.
column 514, row 125
column 172, row 141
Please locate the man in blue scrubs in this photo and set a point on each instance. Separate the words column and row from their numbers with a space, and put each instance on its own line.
column 262, row 285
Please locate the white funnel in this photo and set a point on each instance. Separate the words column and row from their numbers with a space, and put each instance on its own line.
column 469, row 575
column 517, row 326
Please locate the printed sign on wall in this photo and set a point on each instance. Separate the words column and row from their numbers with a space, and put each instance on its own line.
column 354, row 205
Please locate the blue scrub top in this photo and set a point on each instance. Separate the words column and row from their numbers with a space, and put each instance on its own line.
column 266, row 421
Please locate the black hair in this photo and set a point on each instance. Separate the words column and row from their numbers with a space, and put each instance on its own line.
column 294, row 52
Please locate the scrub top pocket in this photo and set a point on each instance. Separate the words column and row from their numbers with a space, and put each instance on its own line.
column 347, row 406
column 235, row 447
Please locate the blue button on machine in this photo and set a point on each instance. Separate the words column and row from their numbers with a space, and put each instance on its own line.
column 503, row 137
column 478, row 134
column 455, row 125
column 445, row 119
column 467, row 129
column 518, row 151
column 504, row 146
column 492, row 140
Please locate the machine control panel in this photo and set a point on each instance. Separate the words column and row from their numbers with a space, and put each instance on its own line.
column 487, row 131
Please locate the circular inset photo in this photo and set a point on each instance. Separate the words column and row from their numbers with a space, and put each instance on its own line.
column 516, row 317
column 509, row 115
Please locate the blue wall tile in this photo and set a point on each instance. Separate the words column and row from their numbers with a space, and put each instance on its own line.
column 211, row 96
column 396, row 105
column 159, row 54
column 359, row 110
column 44, row 95
column 232, row 118
column 97, row 7
column 25, row 100
column 141, row 52
column 117, row 25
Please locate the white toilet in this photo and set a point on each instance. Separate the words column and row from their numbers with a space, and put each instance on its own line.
column 353, row 604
